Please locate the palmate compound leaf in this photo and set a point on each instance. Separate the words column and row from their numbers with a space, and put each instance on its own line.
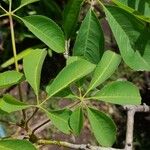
column 60, row 119
column 47, row 31
column 72, row 72
column 132, row 36
column 70, row 16
column 105, row 68
column 90, row 39
column 119, row 92
column 10, row 78
column 32, row 65
column 15, row 144
column 10, row 104
column 76, row 121
column 103, row 127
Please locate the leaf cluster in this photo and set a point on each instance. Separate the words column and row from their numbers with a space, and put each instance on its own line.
column 89, row 59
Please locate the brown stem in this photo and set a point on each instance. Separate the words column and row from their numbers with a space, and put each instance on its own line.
column 27, row 122
column 45, row 122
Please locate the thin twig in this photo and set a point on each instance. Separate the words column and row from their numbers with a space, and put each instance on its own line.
column 35, row 111
column 72, row 105
column 147, row 78
column 45, row 122
column 130, row 128
column 15, row 56
column 132, row 109
column 21, row 99
column 7, row 122
column 137, row 108
column 67, row 46
column 130, row 122
column 10, row 123
column 74, row 146
column 92, row 4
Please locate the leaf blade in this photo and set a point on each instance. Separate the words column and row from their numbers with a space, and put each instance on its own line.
column 136, row 8
column 90, row 39
column 69, row 74
column 9, row 78
column 60, row 119
column 10, row 104
column 26, row 2
column 32, row 68
column 70, row 16
column 16, row 145
column 119, row 92
column 126, row 40
column 76, row 121
column 18, row 57
column 105, row 68
column 103, row 127
column 47, row 31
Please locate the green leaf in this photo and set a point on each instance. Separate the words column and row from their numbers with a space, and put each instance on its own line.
column 119, row 92
column 19, row 57
column 32, row 65
column 71, row 13
column 140, row 7
column 24, row 3
column 72, row 59
column 103, row 127
column 130, row 8
column 13, row 144
column 60, row 119
column 10, row 78
column 47, row 31
column 3, row 112
column 10, row 104
column 130, row 35
column 105, row 68
column 69, row 74
column 76, row 121
column 90, row 39
column 49, row 8
column 66, row 93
